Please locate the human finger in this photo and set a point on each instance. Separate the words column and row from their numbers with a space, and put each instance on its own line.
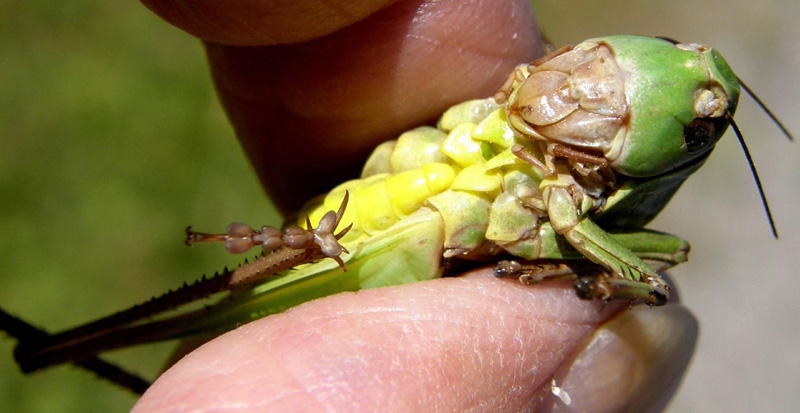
column 446, row 344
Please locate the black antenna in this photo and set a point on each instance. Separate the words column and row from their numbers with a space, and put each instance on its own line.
column 738, row 133
column 766, row 110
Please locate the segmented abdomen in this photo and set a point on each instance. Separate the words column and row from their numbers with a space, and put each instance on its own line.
column 379, row 201
column 467, row 153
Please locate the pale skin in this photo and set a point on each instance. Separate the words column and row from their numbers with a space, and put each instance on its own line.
column 328, row 82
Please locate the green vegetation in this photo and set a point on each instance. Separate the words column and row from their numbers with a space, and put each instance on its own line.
column 112, row 142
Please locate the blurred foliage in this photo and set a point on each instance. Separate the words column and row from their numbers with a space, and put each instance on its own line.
column 112, row 142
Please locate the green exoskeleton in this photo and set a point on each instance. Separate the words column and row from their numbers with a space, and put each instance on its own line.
column 554, row 177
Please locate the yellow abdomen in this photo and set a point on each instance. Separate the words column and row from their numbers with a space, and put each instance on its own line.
column 379, row 201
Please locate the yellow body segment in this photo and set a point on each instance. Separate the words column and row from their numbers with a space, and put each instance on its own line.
column 408, row 190
column 379, row 201
column 401, row 176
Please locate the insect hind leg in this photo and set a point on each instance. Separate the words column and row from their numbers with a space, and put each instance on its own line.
column 27, row 335
column 592, row 281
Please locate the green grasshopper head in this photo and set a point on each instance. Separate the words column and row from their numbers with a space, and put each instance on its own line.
column 647, row 105
column 679, row 96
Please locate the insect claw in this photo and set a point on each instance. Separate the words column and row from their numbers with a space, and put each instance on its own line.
column 508, row 268
column 308, row 223
column 343, row 232
column 340, row 212
column 340, row 262
column 327, row 224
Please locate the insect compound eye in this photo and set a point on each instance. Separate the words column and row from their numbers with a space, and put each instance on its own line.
column 698, row 134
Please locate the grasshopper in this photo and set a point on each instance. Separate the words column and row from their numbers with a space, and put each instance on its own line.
column 552, row 178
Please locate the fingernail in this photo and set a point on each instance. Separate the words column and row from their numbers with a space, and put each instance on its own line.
column 634, row 362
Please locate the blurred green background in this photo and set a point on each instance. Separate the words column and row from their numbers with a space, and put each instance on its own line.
column 112, row 141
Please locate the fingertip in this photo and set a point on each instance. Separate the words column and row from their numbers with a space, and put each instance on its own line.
column 449, row 343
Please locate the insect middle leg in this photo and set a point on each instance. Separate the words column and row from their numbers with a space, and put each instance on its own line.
column 593, row 281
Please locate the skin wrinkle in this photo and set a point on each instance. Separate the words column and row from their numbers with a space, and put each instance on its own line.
column 436, row 367
column 335, row 379
column 515, row 373
column 451, row 26
column 471, row 49
column 332, row 376
column 368, row 77
column 476, row 351
column 338, row 391
column 554, row 316
column 284, row 397
column 461, row 49
column 498, row 55
column 298, row 387
column 338, row 11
